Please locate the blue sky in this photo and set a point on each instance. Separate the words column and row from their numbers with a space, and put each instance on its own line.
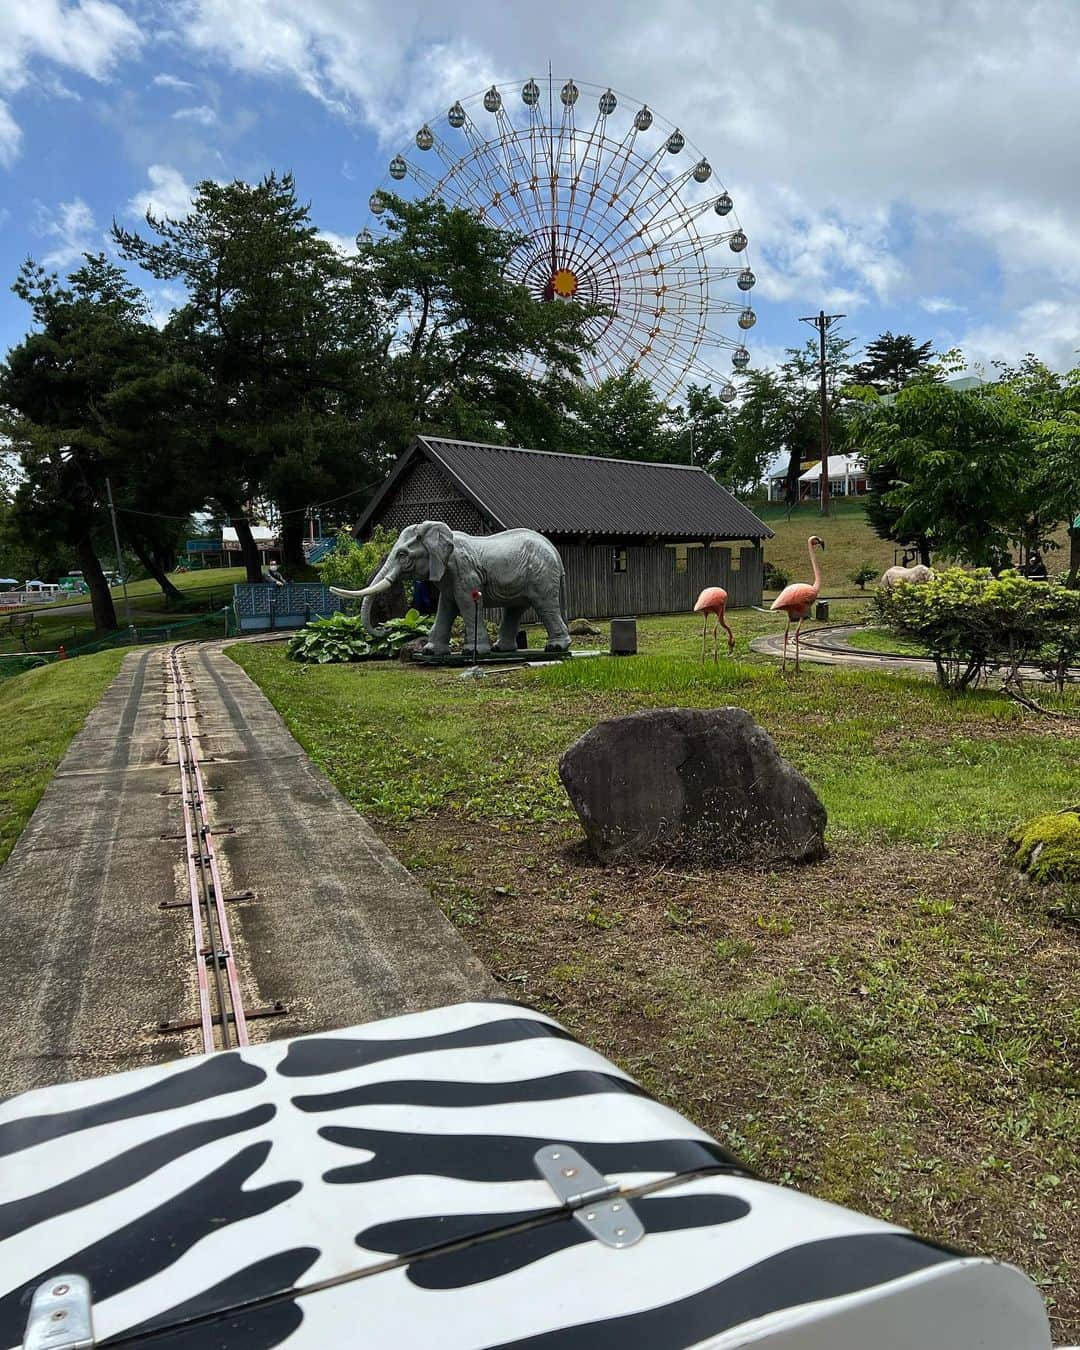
column 910, row 164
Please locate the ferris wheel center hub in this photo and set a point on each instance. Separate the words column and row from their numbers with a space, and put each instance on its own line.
column 564, row 283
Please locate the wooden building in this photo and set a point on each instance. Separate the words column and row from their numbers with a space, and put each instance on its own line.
column 636, row 538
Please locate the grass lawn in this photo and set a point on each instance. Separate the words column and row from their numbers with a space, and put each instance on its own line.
column 880, row 640
column 40, row 712
column 849, row 542
column 208, row 589
column 217, row 578
column 894, row 1028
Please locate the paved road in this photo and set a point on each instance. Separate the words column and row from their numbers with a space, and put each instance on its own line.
column 838, row 645
column 339, row 931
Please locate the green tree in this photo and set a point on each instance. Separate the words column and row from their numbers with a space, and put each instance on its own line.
column 736, row 462
column 464, row 349
column 956, row 461
column 894, row 360
column 780, row 411
column 59, row 388
column 621, row 418
column 282, row 330
column 1049, row 402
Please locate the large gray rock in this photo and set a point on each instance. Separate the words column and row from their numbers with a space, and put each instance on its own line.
column 705, row 784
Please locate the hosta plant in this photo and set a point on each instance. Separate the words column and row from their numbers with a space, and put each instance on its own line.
column 342, row 637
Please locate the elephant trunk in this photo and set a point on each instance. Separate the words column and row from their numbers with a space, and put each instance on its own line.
column 382, row 581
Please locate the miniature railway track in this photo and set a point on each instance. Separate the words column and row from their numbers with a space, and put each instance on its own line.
column 221, row 1012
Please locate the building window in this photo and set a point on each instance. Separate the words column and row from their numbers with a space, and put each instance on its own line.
column 680, row 557
column 618, row 560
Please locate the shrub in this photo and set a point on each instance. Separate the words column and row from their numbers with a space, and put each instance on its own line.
column 342, row 637
column 351, row 564
column 861, row 575
column 972, row 622
column 774, row 578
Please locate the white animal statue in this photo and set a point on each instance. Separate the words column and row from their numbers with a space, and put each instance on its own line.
column 893, row 576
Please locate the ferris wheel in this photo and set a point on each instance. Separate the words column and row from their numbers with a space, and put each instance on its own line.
column 615, row 208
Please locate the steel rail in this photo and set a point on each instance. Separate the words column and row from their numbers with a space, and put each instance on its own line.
column 210, row 924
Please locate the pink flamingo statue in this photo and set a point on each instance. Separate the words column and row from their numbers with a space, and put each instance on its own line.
column 713, row 600
column 798, row 599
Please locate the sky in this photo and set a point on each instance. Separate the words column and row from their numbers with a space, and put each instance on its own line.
column 910, row 163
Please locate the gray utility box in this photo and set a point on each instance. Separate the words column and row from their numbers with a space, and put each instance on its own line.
column 624, row 637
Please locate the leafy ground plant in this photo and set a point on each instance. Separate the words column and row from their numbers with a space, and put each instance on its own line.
column 342, row 637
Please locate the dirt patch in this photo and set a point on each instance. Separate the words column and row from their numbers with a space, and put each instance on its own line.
column 893, row 1029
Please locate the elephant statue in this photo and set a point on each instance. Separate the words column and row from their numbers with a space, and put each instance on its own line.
column 516, row 569
column 893, row 576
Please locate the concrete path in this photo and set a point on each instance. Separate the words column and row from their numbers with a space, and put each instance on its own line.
column 832, row 646
column 838, row 645
column 338, row 932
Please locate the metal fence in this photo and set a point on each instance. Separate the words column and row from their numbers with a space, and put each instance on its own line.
column 259, row 607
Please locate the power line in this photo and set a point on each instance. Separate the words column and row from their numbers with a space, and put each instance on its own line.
column 251, row 520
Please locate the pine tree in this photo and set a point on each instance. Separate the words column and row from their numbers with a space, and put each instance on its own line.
column 892, row 361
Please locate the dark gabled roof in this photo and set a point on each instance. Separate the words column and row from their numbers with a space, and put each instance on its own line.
column 583, row 494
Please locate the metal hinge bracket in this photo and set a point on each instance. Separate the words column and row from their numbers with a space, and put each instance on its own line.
column 593, row 1200
column 60, row 1315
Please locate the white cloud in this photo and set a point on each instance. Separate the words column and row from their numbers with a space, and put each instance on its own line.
column 89, row 37
column 1050, row 328
column 166, row 194
column 163, row 300
column 344, row 243
column 939, row 304
column 73, row 230
column 205, row 116
column 163, row 80
column 10, row 135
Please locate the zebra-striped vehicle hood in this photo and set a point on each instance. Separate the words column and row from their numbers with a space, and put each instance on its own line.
column 380, row 1187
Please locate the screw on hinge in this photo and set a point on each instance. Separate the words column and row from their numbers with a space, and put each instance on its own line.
column 592, row 1199
column 61, row 1316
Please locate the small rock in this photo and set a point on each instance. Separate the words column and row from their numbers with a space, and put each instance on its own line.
column 703, row 784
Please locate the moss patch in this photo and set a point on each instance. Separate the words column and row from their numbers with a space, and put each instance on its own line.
column 1048, row 848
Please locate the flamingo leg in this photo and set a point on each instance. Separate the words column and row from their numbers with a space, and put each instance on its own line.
column 783, row 667
column 731, row 638
column 704, row 637
column 798, row 629
column 716, row 643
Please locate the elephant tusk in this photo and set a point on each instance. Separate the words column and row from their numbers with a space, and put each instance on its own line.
column 376, row 588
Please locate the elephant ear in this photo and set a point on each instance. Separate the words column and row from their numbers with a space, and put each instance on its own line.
column 439, row 542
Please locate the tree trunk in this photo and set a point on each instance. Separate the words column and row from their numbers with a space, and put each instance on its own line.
column 924, row 551
column 101, row 601
column 292, row 543
column 248, row 549
column 1073, row 579
column 153, row 566
column 791, row 482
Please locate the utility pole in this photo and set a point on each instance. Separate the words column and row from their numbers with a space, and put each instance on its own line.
column 119, row 561
column 823, row 322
